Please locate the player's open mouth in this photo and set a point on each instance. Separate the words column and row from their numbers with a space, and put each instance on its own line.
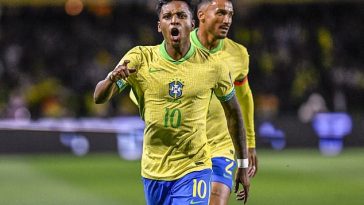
column 175, row 34
column 225, row 28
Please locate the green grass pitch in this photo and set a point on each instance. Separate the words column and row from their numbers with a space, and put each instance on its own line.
column 289, row 177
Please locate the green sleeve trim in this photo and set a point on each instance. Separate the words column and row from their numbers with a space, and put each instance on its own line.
column 165, row 55
column 121, row 85
column 227, row 97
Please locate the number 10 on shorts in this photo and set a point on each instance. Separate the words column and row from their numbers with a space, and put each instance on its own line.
column 199, row 188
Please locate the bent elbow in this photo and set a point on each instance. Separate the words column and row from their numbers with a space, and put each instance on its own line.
column 98, row 100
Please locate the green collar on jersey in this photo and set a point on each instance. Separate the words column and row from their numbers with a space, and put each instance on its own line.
column 165, row 55
column 197, row 43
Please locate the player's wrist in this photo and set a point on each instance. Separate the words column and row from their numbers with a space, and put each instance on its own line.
column 110, row 77
column 242, row 163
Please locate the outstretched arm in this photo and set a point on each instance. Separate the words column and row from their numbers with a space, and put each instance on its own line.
column 235, row 125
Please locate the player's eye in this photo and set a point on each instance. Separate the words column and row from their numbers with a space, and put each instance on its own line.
column 221, row 13
column 166, row 16
column 182, row 15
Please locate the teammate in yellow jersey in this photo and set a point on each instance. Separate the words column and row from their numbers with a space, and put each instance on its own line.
column 215, row 18
column 173, row 83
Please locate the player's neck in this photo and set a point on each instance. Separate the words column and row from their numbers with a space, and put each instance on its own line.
column 178, row 52
column 207, row 40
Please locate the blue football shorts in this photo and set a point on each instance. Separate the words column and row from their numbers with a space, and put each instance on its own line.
column 222, row 170
column 194, row 188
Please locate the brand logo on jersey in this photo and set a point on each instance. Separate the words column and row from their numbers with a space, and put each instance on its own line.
column 175, row 89
column 153, row 70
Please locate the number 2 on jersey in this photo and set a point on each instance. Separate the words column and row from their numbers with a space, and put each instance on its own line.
column 172, row 117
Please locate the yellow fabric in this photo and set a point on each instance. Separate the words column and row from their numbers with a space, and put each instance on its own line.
column 245, row 99
column 133, row 98
column 236, row 57
column 173, row 98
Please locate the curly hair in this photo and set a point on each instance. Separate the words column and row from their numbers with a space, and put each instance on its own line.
column 161, row 3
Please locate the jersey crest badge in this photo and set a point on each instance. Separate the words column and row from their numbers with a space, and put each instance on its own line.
column 175, row 89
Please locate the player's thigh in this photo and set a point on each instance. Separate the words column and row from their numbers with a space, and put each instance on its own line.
column 220, row 194
column 157, row 192
column 194, row 188
column 222, row 171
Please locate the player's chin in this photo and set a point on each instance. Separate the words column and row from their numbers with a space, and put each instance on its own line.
column 176, row 44
column 222, row 35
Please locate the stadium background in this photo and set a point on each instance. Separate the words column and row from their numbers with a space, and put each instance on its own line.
column 306, row 58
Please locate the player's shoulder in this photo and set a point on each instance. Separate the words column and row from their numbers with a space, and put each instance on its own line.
column 208, row 61
column 231, row 45
column 144, row 52
column 201, row 55
column 145, row 49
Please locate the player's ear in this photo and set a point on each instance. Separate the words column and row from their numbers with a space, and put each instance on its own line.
column 159, row 27
column 193, row 24
column 201, row 16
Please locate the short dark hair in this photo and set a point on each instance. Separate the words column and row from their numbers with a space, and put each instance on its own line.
column 202, row 2
column 161, row 3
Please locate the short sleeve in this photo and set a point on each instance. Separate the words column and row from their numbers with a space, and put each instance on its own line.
column 224, row 88
column 135, row 57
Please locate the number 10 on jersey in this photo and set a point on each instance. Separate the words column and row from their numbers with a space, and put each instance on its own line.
column 172, row 117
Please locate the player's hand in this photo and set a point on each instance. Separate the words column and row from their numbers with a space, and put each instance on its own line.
column 242, row 177
column 122, row 71
column 253, row 162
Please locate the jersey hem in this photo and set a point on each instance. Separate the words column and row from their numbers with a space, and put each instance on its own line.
column 176, row 177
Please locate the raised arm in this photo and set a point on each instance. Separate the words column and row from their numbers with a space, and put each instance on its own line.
column 237, row 133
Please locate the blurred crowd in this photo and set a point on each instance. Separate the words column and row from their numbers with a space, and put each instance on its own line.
column 303, row 57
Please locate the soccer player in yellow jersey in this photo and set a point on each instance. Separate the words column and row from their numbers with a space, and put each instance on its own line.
column 173, row 83
column 215, row 18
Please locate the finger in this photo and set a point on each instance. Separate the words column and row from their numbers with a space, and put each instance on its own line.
column 126, row 72
column 251, row 171
column 119, row 68
column 246, row 191
column 122, row 74
column 255, row 166
column 129, row 71
column 132, row 70
column 124, row 66
column 115, row 75
column 236, row 186
column 125, row 63
column 241, row 194
column 240, row 198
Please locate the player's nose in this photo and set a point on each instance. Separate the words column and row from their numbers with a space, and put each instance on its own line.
column 174, row 20
column 227, row 20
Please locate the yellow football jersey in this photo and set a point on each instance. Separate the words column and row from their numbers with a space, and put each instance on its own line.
column 236, row 57
column 173, row 98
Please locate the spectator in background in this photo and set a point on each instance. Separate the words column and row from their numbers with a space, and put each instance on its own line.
column 296, row 50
